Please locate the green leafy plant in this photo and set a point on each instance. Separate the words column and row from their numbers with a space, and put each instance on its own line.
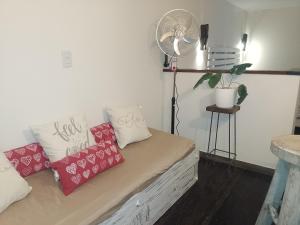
column 218, row 78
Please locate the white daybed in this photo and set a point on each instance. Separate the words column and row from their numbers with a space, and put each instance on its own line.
column 155, row 174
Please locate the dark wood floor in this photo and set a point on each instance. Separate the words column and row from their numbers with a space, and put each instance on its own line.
column 223, row 195
column 297, row 130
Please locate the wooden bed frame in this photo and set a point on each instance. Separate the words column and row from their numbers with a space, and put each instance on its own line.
column 147, row 206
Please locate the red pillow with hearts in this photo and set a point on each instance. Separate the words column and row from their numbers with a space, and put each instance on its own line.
column 104, row 132
column 76, row 169
column 28, row 159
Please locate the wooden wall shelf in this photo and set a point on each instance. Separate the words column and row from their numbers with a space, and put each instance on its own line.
column 270, row 72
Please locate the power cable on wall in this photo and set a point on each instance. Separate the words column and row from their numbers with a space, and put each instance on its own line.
column 177, row 109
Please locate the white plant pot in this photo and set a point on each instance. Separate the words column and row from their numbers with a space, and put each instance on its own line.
column 225, row 97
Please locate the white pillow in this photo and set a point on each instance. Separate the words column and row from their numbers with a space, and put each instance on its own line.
column 129, row 124
column 12, row 186
column 64, row 137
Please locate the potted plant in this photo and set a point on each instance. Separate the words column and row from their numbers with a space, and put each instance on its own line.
column 226, row 91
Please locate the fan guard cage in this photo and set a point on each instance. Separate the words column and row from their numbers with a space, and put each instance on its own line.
column 170, row 21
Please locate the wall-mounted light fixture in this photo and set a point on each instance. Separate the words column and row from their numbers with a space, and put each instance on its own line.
column 166, row 63
column 244, row 41
column 204, row 36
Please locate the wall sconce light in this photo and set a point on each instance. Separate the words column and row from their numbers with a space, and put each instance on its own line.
column 204, row 36
column 166, row 63
column 244, row 41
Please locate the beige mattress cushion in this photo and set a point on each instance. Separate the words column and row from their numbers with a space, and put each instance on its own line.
column 100, row 197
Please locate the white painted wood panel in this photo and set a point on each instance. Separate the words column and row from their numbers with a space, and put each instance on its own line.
column 147, row 206
column 221, row 62
column 297, row 113
column 226, row 50
column 222, row 57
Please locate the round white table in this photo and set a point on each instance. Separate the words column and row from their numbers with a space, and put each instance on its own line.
column 284, row 191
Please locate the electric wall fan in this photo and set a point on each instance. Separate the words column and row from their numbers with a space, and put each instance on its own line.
column 177, row 34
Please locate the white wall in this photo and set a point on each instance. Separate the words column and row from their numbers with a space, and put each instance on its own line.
column 226, row 22
column 115, row 61
column 268, row 111
column 274, row 39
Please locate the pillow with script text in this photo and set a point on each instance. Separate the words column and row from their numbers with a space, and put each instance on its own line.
column 129, row 124
column 64, row 137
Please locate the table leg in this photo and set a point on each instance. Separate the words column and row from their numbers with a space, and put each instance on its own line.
column 229, row 153
column 211, row 119
column 216, row 138
column 290, row 210
column 275, row 193
column 234, row 135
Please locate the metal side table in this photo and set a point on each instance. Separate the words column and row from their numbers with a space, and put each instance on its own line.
column 230, row 111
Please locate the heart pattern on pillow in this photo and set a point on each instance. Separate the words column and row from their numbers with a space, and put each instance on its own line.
column 9, row 155
column 28, row 159
column 81, row 163
column 20, row 151
column 110, row 160
column 113, row 148
column 91, row 158
column 74, row 171
column 107, row 151
column 95, row 169
column 32, row 147
column 118, row 157
column 76, row 179
column 71, row 168
column 26, row 171
column 102, row 133
column 47, row 164
column 76, row 155
column 86, row 174
column 100, row 154
column 37, row 157
column 103, row 165
column 38, row 167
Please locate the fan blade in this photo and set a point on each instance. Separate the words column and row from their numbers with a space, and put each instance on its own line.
column 189, row 22
column 176, row 46
column 188, row 40
column 166, row 35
